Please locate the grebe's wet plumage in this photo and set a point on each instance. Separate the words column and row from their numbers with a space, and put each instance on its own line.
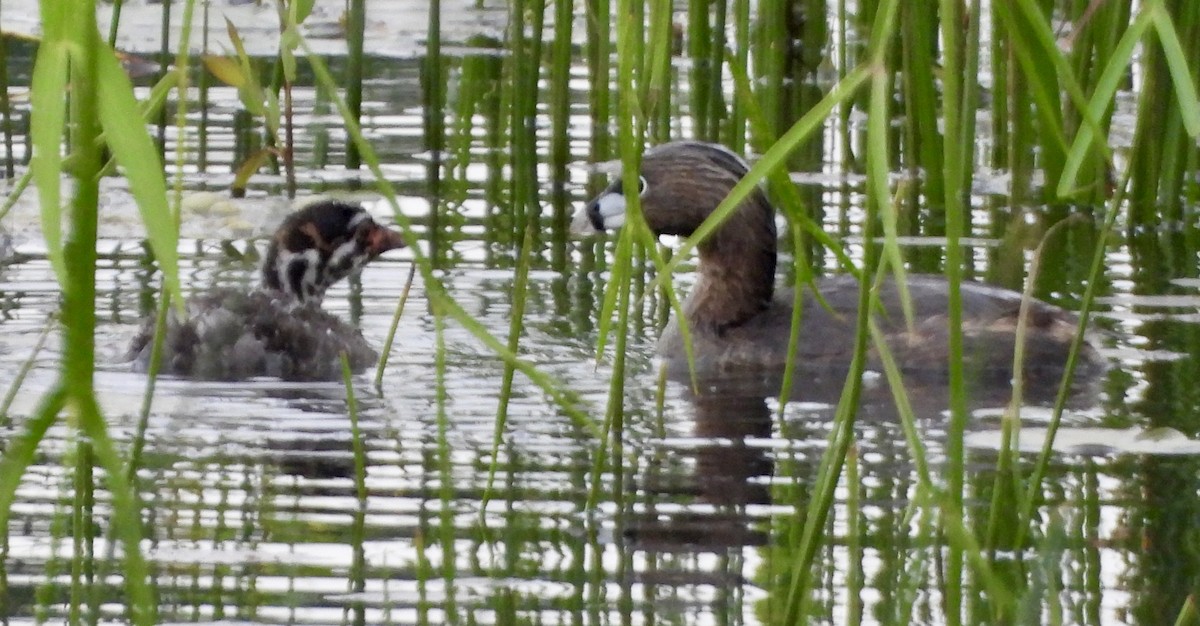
column 738, row 322
column 279, row 329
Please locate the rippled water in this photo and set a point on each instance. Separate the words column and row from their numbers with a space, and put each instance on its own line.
column 249, row 488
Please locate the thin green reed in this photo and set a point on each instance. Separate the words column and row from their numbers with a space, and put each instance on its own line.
column 179, row 79
column 630, row 138
column 14, row 388
column 657, row 87
column 180, row 75
column 356, row 25
column 928, row 504
column 433, row 101
column 807, row 44
column 1033, row 45
column 114, row 23
column 918, row 37
column 704, row 55
column 1098, row 31
column 770, row 60
column 971, row 95
column 561, row 59
column 358, row 566
column 77, row 267
column 633, row 71
column 83, row 529
column 1162, row 149
column 527, row 15
column 955, row 210
column 515, row 330
column 6, row 126
column 712, row 72
column 203, row 80
column 641, row 64
column 164, row 60
column 1091, row 136
column 798, row 603
column 445, row 474
column 386, row 351
column 855, row 580
column 559, row 105
column 291, row 16
column 599, row 55
column 739, row 58
column 1004, row 510
column 1038, row 82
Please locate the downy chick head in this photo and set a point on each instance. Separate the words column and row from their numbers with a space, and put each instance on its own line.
column 321, row 244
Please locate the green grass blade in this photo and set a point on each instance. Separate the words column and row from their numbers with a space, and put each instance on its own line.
column 47, row 119
column 19, row 452
column 134, row 150
column 799, row 596
column 774, row 158
column 1177, row 65
column 125, row 516
column 386, row 350
column 1114, row 74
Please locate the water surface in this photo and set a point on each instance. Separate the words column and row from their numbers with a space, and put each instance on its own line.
column 249, row 495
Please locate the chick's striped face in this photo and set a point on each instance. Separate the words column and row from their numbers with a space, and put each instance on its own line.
column 322, row 244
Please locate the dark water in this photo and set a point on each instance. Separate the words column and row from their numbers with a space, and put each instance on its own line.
column 249, row 495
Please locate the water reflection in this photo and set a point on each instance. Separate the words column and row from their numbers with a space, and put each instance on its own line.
column 728, row 469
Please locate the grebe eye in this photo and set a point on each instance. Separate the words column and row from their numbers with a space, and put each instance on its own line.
column 641, row 185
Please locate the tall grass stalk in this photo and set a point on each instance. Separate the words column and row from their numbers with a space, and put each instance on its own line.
column 73, row 55
column 955, row 210
column 616, row 302
column 386, row 351
column 599, row 56
column 114, row 22
column 15, row 192
column 358, row 566
column 14, row 387
column 164, row 64
column 515, row 329
column 561, row 59
column 918, row 37
column 740, row 57
column 1170, row 93
column 202, row 84
column 6, row 125
column 854, row 535
column 445, row 473
column 657, row 88
column 179, row 77
column 526, row 67
column 705, row 47
column 797, row 607
column 83, row 502
column 560, row 101
column 631, row 127
column 1033, row 489
column 356, row 26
